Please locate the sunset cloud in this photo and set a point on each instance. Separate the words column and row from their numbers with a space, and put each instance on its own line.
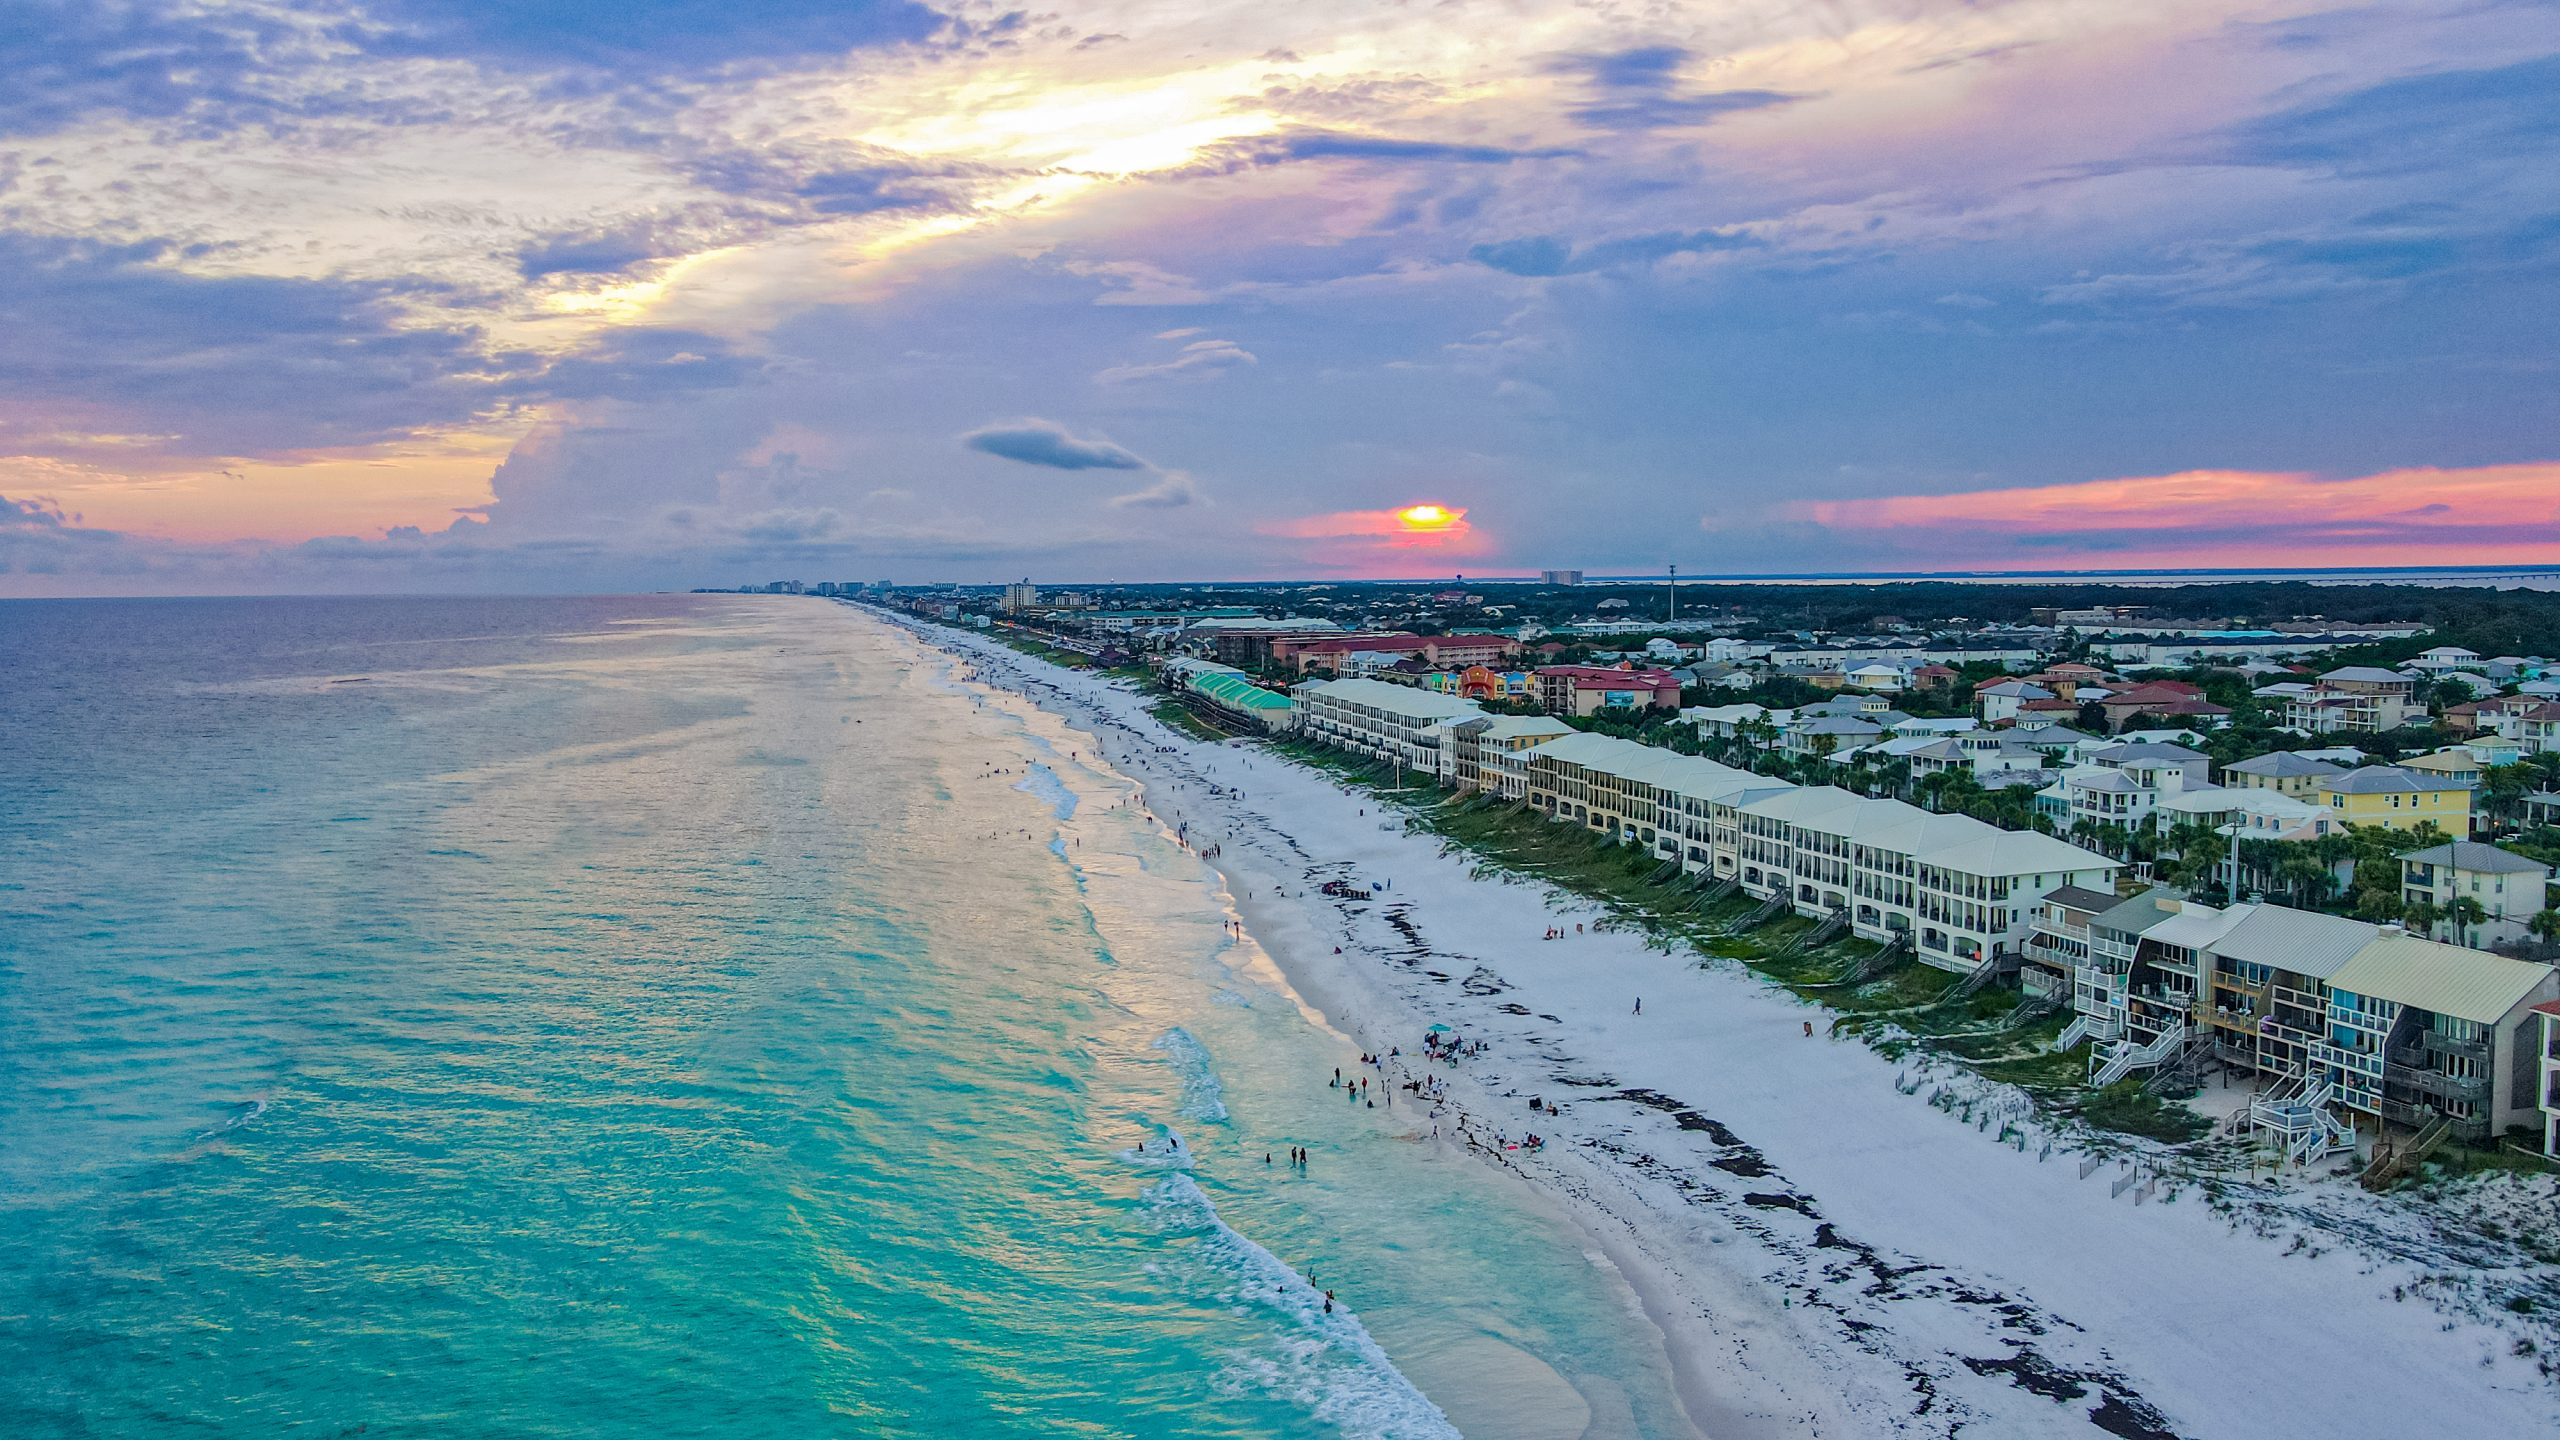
column 1855, row 282
column 2413, row 516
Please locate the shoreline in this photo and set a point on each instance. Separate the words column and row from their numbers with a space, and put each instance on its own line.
column 1792, row 1290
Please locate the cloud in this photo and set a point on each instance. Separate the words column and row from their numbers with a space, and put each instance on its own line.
column 1171, row 491
column 1543, row 256
column 2228, row 517
column 69, row 59
column 1038, row 442
column 863, row 192
column 669, row 37
column 1639, row 89
column 38, row 537
column 114, row 339
column 594, row 253
column 1199, row 360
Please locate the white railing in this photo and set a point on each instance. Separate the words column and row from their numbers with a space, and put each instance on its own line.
column 2126, row 1057
column 2297, row 1112
column 2073, row 1034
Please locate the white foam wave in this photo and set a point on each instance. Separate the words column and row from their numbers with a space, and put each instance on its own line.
column 1044, row 783
column 1327, row 1361
column 246, row 1111
column 1165, row 1152
column 1203, row 1098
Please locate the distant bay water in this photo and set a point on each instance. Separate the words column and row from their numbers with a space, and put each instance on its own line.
column 681, row 1016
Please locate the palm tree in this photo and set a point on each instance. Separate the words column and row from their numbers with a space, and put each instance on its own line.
column 2466, row 914
column 2545, row 925
column 2420, row 915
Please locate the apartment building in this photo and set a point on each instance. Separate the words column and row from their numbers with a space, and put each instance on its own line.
column 2348, row 1026
column 1482, row 752
column 2419, row 1029
column 1590, row 689
column 2547, row 1074
column 1378, row 719
column 1962, row 892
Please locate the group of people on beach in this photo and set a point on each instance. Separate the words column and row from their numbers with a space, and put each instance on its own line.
column 1556, row 932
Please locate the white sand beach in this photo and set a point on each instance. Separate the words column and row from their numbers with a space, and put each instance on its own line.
column 1825, row 1253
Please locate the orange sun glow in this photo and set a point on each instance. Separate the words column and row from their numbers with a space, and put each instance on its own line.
column 1428, row 517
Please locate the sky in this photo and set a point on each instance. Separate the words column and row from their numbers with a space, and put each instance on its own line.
column 553, row 295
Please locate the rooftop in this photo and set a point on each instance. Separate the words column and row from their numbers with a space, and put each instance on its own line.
column 2473, row 856
column 2282, row 765
column 2447, row 979
column 2387, row 780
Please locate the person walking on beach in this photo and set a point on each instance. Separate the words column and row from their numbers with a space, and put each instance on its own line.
column 1639, row 1004
column 1808, row 1029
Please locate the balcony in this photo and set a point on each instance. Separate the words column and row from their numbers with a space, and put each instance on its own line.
column 2432, row 1043
column 2436, row 1084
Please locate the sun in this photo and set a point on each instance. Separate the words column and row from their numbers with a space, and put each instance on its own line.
column 1428, row 517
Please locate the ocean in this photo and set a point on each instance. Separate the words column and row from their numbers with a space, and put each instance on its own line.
column 685, row 1016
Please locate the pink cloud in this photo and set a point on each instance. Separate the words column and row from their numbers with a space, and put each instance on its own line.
column 2489, row 514
column 1380, row 542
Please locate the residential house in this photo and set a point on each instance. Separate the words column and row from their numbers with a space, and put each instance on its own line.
column 2057, row 945
column 2332, row 712
column 2121, row 784
column 2445, row 658
column 2396, row 799
column 1876, row 678
column 2509, row 888
column 2259, row 814
column 2282, row 771
column 1827, row 736
column 1997, row 701
column 2156, row 702
column 2457, row 764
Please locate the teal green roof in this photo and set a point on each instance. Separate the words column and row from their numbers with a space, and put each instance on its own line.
column 1237, row 692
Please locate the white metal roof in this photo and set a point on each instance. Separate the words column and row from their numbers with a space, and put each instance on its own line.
column 2447, row 979
column 2302, row 941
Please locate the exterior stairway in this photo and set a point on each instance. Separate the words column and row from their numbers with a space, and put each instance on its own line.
column 2124, row 1057
column 1769, row 910
column 2297, row 1113
column 1823, row 934
column 2072, row 1034
column 2392, row 1162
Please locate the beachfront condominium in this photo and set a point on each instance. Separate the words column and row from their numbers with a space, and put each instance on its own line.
column 2364, row 1022
column 1379, row 719
column 1960, row 891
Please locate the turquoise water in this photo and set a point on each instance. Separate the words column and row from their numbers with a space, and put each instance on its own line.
column 682, row 1016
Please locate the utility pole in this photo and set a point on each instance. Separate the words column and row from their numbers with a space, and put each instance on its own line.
column 1671, row 596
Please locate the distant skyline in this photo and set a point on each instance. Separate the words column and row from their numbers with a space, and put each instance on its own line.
column 308, row 295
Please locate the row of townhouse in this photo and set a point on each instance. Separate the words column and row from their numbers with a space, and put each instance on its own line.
column 2347, row 1026
column 1961, row 892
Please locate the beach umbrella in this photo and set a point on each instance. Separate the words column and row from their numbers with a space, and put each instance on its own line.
column 1439, row 1030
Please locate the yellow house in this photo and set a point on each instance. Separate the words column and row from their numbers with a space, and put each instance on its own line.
column 2394, row 798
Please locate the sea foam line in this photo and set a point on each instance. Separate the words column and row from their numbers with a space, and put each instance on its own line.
column 1326, row 1360
column 1203, row 1098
